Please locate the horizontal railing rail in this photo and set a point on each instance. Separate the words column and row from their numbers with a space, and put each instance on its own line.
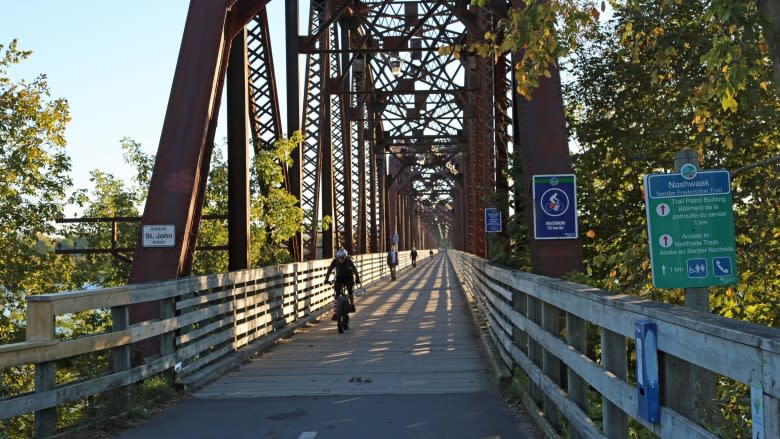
column 524, row 312
column 207, row 325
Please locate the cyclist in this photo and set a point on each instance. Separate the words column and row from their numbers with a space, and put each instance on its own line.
column 346, row 273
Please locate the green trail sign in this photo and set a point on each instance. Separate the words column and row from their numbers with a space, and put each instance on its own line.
column 690, row 227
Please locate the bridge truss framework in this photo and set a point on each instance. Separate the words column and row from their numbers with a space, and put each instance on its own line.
column 398, row 138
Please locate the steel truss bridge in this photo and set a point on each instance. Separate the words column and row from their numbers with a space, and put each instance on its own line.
column 399, row 140
column 402, row 145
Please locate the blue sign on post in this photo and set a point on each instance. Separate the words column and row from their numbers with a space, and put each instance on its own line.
column 555, row 206
column 647, row 382
column 492, row 220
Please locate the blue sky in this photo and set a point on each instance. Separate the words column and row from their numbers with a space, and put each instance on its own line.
column 113, row 62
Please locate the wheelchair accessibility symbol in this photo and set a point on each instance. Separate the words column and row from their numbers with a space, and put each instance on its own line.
column 697, row 268
column 721, row 266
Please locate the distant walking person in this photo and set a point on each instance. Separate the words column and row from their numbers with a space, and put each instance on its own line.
column 414, row 257
column 392, row 261
column 431, row 253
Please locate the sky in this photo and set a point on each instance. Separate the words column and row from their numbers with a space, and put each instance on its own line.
column 114, row 63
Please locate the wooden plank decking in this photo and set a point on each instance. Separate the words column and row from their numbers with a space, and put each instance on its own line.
column 410, row 336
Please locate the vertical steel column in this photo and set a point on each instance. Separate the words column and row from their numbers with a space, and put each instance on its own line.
column 362, row 226
column 341, row 141
column 314, row 94
column 377, row 194
column 384, row 202
column 295, row 171
column 485, row 145
column 399, row 219
column 476, row 187
column 357, row 185
column 409, row 221
column 348, row 135
column 325, row 179
column 502, row 102
column 359, row 80
column 403, row 216
column 459, row 226
column 238, row 155
column 542, row 138
column 393, row 203
column 541, row 134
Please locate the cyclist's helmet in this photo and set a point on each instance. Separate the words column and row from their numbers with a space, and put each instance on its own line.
column 341, row 253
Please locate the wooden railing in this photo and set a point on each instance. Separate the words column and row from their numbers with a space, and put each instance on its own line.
column 524, row 317
column 207, row 325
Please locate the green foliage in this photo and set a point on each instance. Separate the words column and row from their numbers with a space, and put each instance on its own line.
column 644, row 88
column 110, row 197
column 726, row 44
column 626, row 129
column 538, row 34
column 33, row 182
column 213, row 232
column 33, row 185
column 274, row 213
column 33, row 178
column 276, row 216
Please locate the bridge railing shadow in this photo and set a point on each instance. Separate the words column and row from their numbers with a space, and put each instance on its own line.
column 542, row 326
column 208, row 325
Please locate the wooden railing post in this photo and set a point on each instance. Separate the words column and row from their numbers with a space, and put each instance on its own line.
column 577, row 388
column 120, row 358
column 40, row 327
column 614, row 359
column 534, row 350
column 771, row 417
column 168, row 339
column 520, row 304
column 550, row 363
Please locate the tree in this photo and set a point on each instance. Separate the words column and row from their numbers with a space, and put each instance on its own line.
column 630, row 109
column 33, row 181
column 109, row 197
column 543, row 32
column 275, row 212
column 629, row 119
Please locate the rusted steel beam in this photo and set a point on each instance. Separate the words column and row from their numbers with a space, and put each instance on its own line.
column 325, row 176
column 239, row 14
column 501, row 120
column 295, row 171
column 265, row 116
column 238, row 155
column 541, row 136
column 176, row 181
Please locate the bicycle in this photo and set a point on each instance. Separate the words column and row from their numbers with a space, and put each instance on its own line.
column 341, row 307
